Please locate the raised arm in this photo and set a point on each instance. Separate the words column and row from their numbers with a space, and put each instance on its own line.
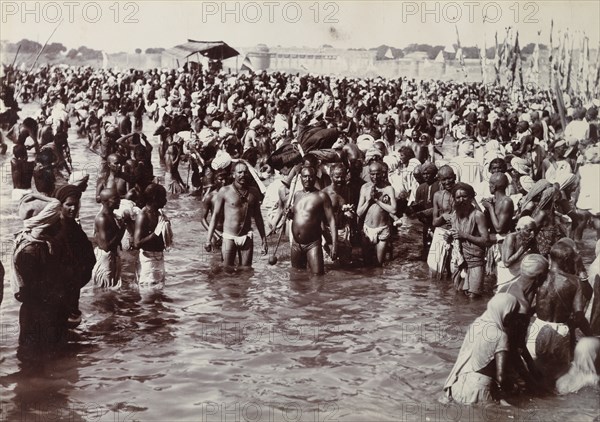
column 391, row 207
column 364, row 200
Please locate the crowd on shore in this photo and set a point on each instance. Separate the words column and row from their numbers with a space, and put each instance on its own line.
column 503, row 183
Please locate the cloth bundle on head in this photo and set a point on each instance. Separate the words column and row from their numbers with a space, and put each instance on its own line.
column 66, row 191
column 521, row 165
column 221, row 161
column 592, row 155
column 465, row 148
column 32, row 204
column 534, row 265
column 372, row 153
column 37, row 217
column 539, row 187
column 526, row 183
column 365, row 142
column 559, row 143
column 255, row 123
column 524, row 222
column 392, row 161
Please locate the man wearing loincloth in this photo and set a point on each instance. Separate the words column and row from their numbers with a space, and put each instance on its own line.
column 152, row 235
column 342, row 210
column 443, row 206
column 311, row 208
column 470, row 229
column 108, row 235
column 376, row 206
column 499, row 212
column 559, row 311
column 236, row 205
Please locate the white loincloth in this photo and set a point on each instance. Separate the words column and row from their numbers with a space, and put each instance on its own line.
column 535, row 328
column 151, row 269
column 238, row 240
column 438, row 253
column 107, row 271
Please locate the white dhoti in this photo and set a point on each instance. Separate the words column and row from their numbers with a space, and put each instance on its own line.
column 151, row 269
column 549, row 344
column 439, row 253
column 17, row 194
column 107, row 271
column 507, row 275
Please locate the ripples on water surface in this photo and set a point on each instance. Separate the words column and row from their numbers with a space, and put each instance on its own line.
column 268, row 344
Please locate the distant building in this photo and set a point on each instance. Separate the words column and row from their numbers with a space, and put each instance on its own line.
column 310, row 60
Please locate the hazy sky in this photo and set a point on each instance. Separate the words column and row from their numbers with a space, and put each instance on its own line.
column 126, row 25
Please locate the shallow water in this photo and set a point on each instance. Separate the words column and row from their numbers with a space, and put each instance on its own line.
column 268, row 344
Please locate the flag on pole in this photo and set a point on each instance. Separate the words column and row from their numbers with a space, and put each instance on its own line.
column 568, row 86
column 483, row 61
column 535, row 61
column 516, row 64
column 560, row 101
column 104, row 60
column 497, row 60
column 583, row 73
column 247, row 65
column 459, row 53
column 551, row 48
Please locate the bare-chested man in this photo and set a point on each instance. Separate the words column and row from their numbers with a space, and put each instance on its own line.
column 208, row 206
column 559, row 311
column 113, row 179
column 342, row 210
column 108, row 234
column 152, row 235
column 443, row 206
column 377, row 204
column 500, row 208
column 470, row 229
column 311, row 208
column 236, row 205
column 499, row 211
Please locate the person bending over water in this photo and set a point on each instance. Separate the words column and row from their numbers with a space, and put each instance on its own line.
column 480, row 372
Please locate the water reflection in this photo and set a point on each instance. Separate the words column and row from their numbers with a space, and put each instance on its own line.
column 356, row 344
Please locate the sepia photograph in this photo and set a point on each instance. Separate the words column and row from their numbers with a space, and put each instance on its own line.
column 299, row 211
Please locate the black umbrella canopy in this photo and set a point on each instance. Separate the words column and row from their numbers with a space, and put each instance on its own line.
column 215, row 50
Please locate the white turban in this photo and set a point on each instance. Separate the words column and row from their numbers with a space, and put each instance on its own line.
column 222, row 160
column 365, row 142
